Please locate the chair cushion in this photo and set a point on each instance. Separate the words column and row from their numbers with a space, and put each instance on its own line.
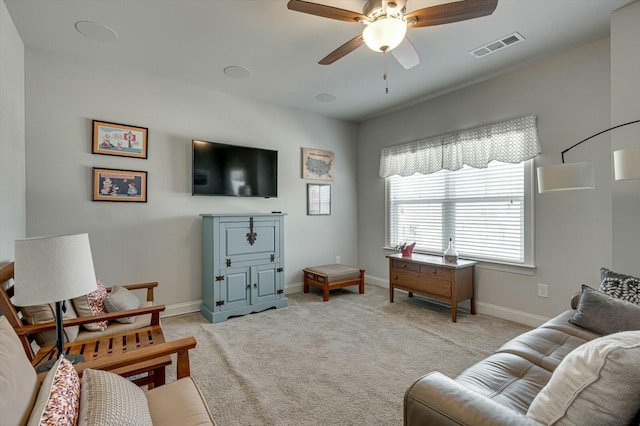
column 121, row 299
column 597, row 384
column 178, row 402
column 58, row 398
column 605, row 314
column 111, row 400
column 40, row 314
column 116, row 327
column 620, row 286
column 18, row 381
column 92, row 304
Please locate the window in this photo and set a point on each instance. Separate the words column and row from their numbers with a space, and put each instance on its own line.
column 483, row 210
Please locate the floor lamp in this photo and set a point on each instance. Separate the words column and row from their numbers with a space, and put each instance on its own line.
column 53, row 269
column 568, row 176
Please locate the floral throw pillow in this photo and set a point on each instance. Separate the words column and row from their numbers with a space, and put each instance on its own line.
column 620, row 286
column 59, row 397
column 92, row 304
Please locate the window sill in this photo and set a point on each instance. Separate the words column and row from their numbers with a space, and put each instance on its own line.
column 511, row 268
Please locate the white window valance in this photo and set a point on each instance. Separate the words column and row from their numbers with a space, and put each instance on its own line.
column 511, row 141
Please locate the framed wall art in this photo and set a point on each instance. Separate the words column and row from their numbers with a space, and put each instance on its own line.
column 318, row 199
column 317, row 164
column 119, row 139
column 119, row 185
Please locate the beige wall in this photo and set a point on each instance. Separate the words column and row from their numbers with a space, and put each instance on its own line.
column 625, row 107
column 12, row 139
column 569, row 93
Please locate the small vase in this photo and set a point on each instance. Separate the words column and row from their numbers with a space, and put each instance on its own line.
column 450, row 254
column 407, row 251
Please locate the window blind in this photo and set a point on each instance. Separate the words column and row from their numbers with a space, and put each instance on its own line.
column 481, row 209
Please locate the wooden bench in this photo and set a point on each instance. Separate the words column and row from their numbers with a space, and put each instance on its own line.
column 330, row 277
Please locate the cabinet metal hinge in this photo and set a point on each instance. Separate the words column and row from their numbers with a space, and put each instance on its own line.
column 220, row 303
column 279, row 269
column 251, row 236
column 280, row 291
column 220, row 278
column 273, row 257
column 228, row 263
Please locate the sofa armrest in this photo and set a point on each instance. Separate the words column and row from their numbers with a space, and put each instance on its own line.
column 435, row 399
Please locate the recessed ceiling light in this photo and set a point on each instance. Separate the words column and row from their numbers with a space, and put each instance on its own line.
column 235, row 71
column 96, row 31
column 325, row 97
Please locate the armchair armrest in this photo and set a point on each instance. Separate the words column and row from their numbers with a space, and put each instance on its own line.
column 35, row 328
column 142, row 286
column 435, row 399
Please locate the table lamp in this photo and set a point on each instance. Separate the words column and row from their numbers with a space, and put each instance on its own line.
column 53, row 269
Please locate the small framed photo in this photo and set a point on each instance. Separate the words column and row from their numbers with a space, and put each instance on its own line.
column 317, row 164
column 318, row 199
column 119, row 185
column 119, row 139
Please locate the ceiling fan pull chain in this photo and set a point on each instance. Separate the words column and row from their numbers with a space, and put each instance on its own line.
column 384, row 76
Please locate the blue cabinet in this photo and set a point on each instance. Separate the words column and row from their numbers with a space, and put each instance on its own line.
column 242, row 264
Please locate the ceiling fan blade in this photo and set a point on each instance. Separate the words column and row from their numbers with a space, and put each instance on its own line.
column 405, row 53
column 341, row 51
column 450, row 12
column 325, row 11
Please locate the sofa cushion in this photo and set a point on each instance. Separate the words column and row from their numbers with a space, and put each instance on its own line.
column 605, row 314
column 178, row 402
column 18, row 383
column 597, row 383
column 58, row 398
column 92, row 304
column 39, row 314
column 121, row 299
column 111, row 400
column 620, row 286
column 508, row 379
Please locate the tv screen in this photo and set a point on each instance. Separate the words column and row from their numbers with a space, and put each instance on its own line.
column 222, row 169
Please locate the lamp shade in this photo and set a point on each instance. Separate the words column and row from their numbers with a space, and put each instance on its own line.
column 626, row 163
column 566, row 176
column 52, row 269
column 384, row 34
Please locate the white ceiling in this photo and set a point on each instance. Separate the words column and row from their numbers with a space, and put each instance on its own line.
column 192, row 41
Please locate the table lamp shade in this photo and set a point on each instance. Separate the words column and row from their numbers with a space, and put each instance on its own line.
column 52, row 269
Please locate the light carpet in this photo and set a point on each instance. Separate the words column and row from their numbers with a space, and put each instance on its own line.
column 347, row 361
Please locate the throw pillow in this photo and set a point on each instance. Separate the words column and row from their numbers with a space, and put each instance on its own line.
column 111, row 400
column 605, row 314
column 121, row 299
column 596, row 384
column 92, row 304
column 39, row 314
column 621, row 286
column 58, row 398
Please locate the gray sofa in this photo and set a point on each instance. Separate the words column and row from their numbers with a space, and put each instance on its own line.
column 500, row 389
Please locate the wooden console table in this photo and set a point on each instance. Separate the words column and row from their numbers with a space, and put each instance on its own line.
column 432, row 277
column 115, row 344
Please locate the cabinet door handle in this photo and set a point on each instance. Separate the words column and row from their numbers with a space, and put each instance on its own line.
column 435, row 271
column 249, row 286
column 255, row 285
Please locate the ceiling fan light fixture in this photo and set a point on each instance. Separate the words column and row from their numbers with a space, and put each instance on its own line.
column 384, row 34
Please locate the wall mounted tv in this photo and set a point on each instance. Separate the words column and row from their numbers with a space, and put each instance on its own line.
column 239, row 171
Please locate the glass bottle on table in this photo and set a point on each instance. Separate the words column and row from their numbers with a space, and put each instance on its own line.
column 450, row 254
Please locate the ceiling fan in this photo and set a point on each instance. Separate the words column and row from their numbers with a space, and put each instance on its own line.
column 387, row 22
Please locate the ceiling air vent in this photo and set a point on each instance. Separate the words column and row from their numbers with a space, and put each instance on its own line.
column 496, row 45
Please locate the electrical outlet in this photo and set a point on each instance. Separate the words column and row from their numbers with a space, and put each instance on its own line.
column 338, row 259
column 543, row 290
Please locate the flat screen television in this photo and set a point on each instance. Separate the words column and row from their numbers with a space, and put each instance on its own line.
column 232, row 170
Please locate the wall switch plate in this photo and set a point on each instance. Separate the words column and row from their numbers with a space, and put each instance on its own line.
column 338, row 259
column 543, row 290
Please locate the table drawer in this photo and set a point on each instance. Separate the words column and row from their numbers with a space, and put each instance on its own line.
column 402, row 265
column 420, row 283
column 435, row 272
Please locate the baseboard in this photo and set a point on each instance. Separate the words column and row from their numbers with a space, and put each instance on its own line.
column 181, row 308
column 510, row 314
column 377, row 281
column 293, row 288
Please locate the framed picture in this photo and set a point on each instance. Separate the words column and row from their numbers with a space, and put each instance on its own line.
column 119, row 185
column 318, row 199
column 317, row 164
column 119, row 139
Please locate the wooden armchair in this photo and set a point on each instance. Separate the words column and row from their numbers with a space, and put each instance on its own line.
column 117, row 338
